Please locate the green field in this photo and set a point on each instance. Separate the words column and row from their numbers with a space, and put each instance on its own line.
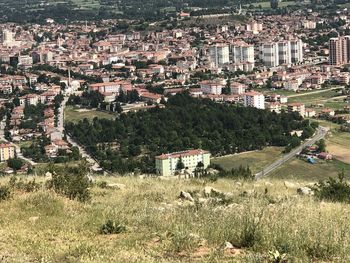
column 266, row 5
column 314, row 98
column 298, row 169
column 75, row 115
column 256, row 160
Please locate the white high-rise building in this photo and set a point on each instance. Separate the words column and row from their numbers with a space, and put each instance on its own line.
column 242, row 53
column 296, row 50
column 7, row 37
column 254, row 99
column 285, row 52
column 269, row 54
column 219, row 55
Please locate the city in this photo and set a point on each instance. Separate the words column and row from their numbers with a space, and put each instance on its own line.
column 176, row 110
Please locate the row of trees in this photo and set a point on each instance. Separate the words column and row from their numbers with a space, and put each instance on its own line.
column 134, row 139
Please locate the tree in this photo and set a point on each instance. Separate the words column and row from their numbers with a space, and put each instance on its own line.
column 15, row 163
column 16, row 102
column 321, row 144
column 180, row 165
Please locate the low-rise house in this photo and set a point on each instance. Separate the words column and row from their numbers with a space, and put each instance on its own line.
column 273, row 106
column 297, row 107
column 325, row 156
column 310, row 113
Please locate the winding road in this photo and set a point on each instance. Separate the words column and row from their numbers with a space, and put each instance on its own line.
column 320, row 134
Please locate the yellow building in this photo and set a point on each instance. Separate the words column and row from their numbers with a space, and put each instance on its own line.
column 7, row 151
column 166, row 164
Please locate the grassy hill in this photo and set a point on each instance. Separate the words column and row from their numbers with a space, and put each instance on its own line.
column 256, row 218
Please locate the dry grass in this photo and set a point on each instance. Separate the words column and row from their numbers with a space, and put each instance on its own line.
column 338, row 143
column 44, row 227
column 256, row 160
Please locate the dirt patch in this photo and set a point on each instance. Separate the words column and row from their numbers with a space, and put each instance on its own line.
column 340, row 152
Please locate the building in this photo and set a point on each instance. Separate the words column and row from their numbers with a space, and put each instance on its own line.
column 285, row 52
column 269, row 54
column 254, row 99
column 237, row 88
column 297, row 107
column 273, row 106
column 211, row 87
column 219, row 55
column 166, row 164
column 296, row 51
column 339, row 50
column 242, row 53
column 8, row 38
column 7, row 151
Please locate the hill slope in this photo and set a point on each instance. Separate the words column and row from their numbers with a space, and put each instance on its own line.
column 257, row 217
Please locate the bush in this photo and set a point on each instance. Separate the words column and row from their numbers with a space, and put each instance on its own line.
column 102, row 184
column 15, row 163
column 334, row 190
column 5, row 192
column 111, row 227
column 26, row 186
column 73, row 186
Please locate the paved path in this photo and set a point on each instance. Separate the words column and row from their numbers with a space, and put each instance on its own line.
column 94, row 164
column 320, row 134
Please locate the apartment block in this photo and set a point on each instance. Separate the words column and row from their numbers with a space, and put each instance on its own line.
column 339, row 50
column 219, row 55
column 242, row 53
column 254, row 99
column 7, row 151
column 166, row 163
column 286, row 52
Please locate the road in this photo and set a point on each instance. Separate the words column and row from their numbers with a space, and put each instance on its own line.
column 60, row 126
column 320, row 134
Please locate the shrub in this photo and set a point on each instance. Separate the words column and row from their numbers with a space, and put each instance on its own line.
column 15, row 163
column 73, row 186
column 334, row 190
column 5, row 192
column 26, row 186
column 102, row 184
column 112, row 227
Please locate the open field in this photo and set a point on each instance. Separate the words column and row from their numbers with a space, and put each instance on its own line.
column 338, row 144
column 75, row 115
column 314, row 98
column 42, row 226
column 256, row 160
column 298, row 169
column 266, row 5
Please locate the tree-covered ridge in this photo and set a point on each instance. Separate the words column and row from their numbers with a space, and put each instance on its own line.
column 133, row 139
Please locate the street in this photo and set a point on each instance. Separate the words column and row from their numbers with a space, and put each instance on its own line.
column 320, row 134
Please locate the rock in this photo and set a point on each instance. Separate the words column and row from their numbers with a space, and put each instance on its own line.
column 289, row 185
column 228, row 245
column 203, row 201
column 117, row 186
column 48, row 175
column 239, row 183
column 305, row 191
column 248, row 192
column 268, row 184
column 208, row 190
column 186, row 196
column 33, row 219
